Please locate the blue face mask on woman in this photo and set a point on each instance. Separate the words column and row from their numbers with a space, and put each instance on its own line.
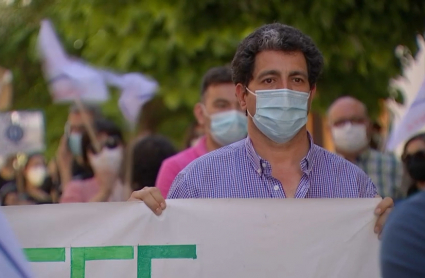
column 280, row 113
column 74, row 144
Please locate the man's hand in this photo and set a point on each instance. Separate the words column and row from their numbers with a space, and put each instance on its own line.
column 382, row 211
column 152, row 197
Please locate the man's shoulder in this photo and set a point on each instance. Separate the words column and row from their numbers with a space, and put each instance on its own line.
column 324, row 157
column 413, row 204
column 219, row 158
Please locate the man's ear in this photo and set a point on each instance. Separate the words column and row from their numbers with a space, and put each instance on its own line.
column 241, row 96
column 198, row 112
column 311, row 97
column 313, row 91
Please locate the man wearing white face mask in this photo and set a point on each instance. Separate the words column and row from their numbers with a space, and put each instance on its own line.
column 220, row 116
column 351, row 133
column 275, row 70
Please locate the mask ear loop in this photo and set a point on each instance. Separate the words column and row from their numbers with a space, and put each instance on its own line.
column 246, row 111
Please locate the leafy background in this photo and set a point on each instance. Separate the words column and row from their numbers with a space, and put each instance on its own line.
column 176, row 41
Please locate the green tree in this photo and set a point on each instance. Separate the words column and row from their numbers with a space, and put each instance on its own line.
column 176, row 41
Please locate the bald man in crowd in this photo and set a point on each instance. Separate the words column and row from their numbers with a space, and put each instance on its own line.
column 351, row 133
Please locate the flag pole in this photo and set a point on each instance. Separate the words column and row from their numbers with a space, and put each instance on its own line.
column 87, row 124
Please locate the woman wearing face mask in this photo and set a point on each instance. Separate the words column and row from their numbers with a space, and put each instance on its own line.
column 36, row 189
column 106, row 165
column 414, row 161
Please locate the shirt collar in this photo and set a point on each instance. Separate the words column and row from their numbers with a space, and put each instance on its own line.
column 256, row 161
column 200, row 147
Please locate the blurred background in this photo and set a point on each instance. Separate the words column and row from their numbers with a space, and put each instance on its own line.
column 176, row 41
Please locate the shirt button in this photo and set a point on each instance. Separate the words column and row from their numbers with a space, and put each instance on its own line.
column 276, row 187
column 264, row 165
column 259, row 171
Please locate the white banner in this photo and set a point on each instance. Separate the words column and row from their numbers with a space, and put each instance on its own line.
column 326, row 238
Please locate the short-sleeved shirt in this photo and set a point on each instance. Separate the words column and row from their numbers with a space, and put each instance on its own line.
column 237, row 171
column 384, row 169
column 174, row 164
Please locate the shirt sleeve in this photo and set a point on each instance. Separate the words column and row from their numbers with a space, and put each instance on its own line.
column 72, row 193
column 166, row 175
column 180, row 189
column 367, row 188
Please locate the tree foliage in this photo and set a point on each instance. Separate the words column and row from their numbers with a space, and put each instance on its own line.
column 176, row 41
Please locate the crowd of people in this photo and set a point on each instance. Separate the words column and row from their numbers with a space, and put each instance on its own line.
column 79, row 173
column 250, row 141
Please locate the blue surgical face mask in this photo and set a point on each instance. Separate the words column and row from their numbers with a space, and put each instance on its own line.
column 74, row 143
column 228, row 127
column 280, row 113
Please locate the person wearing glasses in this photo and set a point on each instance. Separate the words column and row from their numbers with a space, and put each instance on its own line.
column 351, row 131
column 106, row 164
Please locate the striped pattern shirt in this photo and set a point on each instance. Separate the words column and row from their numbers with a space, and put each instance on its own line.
column 237, row 171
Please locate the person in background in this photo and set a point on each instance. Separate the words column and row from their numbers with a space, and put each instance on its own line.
column 413, row 158
column 351, row 133
column 147, row 156
column 7, row 172
column 403, row 240
column 69, row 155
column 106, row 164
column 222, row 121
column 36, row 188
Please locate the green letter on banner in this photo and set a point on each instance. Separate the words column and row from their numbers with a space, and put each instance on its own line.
column 146, row 253
column 79, row 256
column 45, row 254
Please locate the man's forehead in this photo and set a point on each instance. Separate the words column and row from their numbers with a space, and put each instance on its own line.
column 223, row 91
column 280, row 62
column 347, row 108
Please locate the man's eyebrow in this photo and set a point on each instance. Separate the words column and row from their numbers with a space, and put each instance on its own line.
column 298, row 72
column 268, row 72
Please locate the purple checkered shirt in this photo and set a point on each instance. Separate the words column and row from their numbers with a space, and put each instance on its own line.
column 237, row 171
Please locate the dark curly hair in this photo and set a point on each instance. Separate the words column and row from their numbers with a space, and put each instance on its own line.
column 275, row 36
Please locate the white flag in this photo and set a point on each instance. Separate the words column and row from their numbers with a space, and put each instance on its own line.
column 136, row 92
column 68, row 79
column 408, row 119
column 71, row 78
